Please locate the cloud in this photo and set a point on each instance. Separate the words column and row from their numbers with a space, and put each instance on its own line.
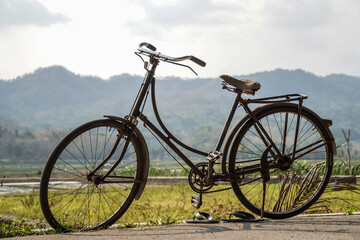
column 187, row 13
column 299, row 14
column 27, row 12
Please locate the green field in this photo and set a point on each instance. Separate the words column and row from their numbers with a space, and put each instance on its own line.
column 161, row 202
column 10, row 170
column 167, row 204
column 157, row 168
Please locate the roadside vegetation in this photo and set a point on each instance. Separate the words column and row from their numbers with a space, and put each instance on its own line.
column 158, row 205
column 164, row 205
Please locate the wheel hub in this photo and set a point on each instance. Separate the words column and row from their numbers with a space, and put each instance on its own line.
column 94, row 178
column 284, row 163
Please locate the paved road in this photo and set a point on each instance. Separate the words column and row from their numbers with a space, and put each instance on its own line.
column 325, row 227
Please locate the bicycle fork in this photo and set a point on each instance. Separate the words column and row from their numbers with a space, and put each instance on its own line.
column 98, row 179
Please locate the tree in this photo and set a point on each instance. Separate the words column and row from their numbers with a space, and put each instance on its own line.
column 27, row 133
column 347, row 139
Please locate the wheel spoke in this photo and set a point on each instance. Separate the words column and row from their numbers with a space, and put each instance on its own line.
column 298, row 184
column 83, row 201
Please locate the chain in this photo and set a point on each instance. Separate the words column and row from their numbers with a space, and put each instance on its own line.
column 220, row 190
column 152, row 133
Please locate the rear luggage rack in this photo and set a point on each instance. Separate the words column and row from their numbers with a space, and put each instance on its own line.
column 278, row 99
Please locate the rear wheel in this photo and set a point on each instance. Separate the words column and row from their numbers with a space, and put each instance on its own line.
column 72, row 195
column 297, row 182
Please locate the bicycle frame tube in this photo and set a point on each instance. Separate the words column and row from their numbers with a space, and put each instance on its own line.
column 260, row 129
column 228, row 122
column 170, row 144
column 162, row 125
column 135, row 111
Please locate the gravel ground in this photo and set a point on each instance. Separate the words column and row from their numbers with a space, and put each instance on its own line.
column 322, row 227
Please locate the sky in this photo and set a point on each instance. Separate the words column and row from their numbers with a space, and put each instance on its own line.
column 99, row 38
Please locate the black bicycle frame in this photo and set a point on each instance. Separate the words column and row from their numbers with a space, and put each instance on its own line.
column 140, row 101
column 149, row 81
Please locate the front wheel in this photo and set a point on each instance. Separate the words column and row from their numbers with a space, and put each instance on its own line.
column 297, row 181
column 75, row 197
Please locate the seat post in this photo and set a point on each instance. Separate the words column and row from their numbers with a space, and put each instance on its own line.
column 228, row 121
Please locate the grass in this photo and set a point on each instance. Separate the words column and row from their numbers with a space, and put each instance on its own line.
column 160, row 201
column 164, row 205
column 19, row 228
column 340, row 198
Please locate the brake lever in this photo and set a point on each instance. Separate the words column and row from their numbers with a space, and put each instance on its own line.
column 146, row 64
column 182, row 65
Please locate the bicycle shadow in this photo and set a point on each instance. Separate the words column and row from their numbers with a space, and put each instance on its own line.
column 167, row 230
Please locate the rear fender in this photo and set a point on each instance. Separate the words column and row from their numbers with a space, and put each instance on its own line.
column 229, row 139
column 327, row 124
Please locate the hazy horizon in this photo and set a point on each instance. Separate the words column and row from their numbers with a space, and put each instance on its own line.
column 98, row 38
column 142, row 73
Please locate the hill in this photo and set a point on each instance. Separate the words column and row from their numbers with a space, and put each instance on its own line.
column 194, row 109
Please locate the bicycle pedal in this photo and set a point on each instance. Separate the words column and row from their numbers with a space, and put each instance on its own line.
column 196, row 201
column 214, row 156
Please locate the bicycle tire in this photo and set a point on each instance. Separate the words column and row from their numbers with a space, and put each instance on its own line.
column 293, row 189
column 69, row 198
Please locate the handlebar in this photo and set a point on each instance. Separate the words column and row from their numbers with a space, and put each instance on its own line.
column 148, row 45
column 151, row 50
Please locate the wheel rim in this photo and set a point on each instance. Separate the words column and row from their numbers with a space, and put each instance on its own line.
column 79, row 202
column 294, row 188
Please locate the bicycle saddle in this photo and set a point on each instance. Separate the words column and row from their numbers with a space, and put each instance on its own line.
column 245, row 85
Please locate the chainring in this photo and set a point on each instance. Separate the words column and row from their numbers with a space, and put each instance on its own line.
column 196, row 183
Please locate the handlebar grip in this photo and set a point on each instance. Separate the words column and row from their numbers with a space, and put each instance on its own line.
column 198, row 61
column 148, row 45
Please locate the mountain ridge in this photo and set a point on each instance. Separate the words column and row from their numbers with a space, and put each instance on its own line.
column 54, row 96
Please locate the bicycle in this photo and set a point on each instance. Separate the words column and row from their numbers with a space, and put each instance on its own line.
column 278, row 157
